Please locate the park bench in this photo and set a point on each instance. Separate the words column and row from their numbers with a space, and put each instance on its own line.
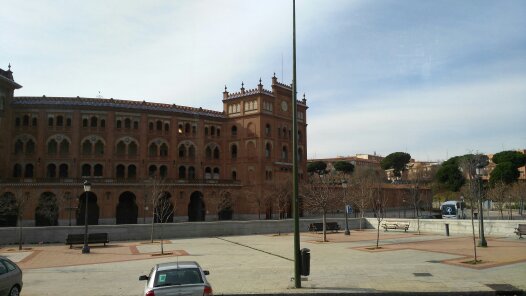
column 329, row 226
column 519, row 231
column 93, row 238
column 395, row 225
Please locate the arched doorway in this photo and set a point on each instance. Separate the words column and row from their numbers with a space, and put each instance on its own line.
column 9, row 211
column 127, row 210
column 46, row 213
column 164, row 209
column 225, row 207
column 196, row 207
column 93, row 209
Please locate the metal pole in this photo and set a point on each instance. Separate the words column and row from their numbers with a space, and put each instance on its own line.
column 85, row 248
column 347, row 231
column 482, row 239
column 297, row 262
column 69, row 209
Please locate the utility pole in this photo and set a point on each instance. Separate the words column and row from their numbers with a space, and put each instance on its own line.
column 295, row 202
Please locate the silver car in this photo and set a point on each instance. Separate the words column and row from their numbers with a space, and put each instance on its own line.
column 185, row 278
column 10, row 278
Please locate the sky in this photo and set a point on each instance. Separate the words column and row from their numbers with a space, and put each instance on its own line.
column 431, row 78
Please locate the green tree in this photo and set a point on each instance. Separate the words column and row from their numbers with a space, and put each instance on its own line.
column 516, row 158
column 450, row 176
column 396, row 161
column 505, row 172
column 343, row 167
column 317, row 167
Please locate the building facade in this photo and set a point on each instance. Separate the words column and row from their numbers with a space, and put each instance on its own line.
column 209, row 164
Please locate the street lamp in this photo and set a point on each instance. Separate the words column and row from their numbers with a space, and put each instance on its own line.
column 87, row 189
column 482, row 240
column 344, row 185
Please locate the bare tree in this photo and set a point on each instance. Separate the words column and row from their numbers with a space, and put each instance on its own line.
column 162, row 208
column 498, row 194
column 470, row 193
column 280, row 193
column 14, row 204
column 321, row 193
column 518, row 195
column 225, row 205
column 363, row 185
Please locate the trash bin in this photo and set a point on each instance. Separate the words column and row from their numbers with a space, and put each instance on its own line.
column 475, row 215
column 305, row 261
column 447, row 229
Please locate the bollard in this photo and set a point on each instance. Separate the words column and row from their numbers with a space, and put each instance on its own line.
column 305, row 261
column 447, row 229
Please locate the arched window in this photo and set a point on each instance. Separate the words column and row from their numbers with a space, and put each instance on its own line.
column 132, row 171
column 208, row 173
column 51, row 171
column 268, row 150
column 194, row 130
column 26, row 120
column 152, row 150
column 93, row 121
column 64, row 147
column 216, row 173
column 34, row 122
column 191, row 152
column 284, row 131
column 19, row 147
column 119, row 171
column 159, row 125
column 208, row 152
column 284, row 153
column 102, row 123
column 97, row 170
column 234, row 175
column 218, row 132
column 17, row 171
column 267, row 130
column 86, row 170
column 60, row 120
column 30, row 147
column 121, row 148
column 132, row 149
column 182, row 151
column 119, row 123
column 52, row 146
column 150, row 126
column 166, row 127
column 191, row 173
column 187, row 128
column 233, row 151
column 212, row 130
column 50, row 121
column 86, row 147
column 28, row 172
column 300, row 154
column 127, row 123
column 299, row 136
column 135, row 125
column 216, row 153
column 68, row 122
column 85, row 122
column 180, row 129
column 182, row 172
column 163, row 171
column 206, row 131
column 152, row 170
column 63, row 171
column 17, row 121
column 163, row 150
column 99, row 147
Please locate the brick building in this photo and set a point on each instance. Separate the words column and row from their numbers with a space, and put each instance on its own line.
column 213, row 164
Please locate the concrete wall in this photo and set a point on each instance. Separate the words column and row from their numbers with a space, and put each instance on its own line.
column 58, row 234
column 456, row 227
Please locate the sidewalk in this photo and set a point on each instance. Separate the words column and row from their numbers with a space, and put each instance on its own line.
column 407, row 262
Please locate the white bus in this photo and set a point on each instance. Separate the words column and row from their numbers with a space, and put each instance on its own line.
column 452, row 209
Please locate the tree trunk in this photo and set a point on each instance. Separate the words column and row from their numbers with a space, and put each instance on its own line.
column 151, row 231
column 324, row 227
column 162, row 238
column 378, row 233
column 473, row 229
column 361, row 219
column 20, row 228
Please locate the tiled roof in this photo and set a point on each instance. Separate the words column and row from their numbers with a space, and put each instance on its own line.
column 111, row 103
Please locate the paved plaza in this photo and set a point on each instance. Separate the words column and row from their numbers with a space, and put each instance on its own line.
column 406, row 262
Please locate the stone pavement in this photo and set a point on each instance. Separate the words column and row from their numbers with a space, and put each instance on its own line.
column 406, row 262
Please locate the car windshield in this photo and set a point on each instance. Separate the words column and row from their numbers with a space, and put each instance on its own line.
column 449, row 210
column 180, row 276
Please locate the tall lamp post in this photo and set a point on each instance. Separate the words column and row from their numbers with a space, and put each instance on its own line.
column 87, row 189
column 347, row 231
column 482, row 240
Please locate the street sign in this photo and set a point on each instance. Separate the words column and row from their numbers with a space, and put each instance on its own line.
column 348, row 208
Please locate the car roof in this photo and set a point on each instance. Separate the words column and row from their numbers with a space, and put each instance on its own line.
column 176, row 265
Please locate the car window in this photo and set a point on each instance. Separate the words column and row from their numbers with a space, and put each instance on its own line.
column 10, row 266
column 3, row 268
column 182, row 276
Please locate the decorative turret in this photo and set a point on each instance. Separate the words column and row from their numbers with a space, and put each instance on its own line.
column 242, row 87
column 260, row 86
column 225, row 94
